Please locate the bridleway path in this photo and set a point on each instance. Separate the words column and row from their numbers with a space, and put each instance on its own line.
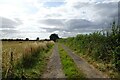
column 83, row 65
column 54, row 66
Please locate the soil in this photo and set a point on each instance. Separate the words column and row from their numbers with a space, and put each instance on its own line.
column 54, row 67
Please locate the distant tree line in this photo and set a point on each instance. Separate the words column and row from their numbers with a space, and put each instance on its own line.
column 27, row 39
column 53, row 37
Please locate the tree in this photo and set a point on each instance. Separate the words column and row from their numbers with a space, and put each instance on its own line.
column 37, row 38
column 54, row 37
column 27, row 39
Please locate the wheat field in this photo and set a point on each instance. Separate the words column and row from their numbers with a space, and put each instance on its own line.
column 14, row 51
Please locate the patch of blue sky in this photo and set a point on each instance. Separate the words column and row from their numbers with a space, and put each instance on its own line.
column 53, row 4
column 100, row 0
column 32, row 10
column 53, row 0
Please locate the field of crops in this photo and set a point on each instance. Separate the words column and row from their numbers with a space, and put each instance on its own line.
column 17, row 54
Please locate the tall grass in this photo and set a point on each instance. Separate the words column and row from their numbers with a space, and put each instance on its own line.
column 102, row 47
column 29, row 59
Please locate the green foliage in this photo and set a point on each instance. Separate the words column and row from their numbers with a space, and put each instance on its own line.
column 54, row 37
column 102, row 46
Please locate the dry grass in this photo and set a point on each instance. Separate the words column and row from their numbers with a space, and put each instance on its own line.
column 20, row 49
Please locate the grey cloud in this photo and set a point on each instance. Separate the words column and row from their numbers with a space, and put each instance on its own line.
column 107, row 12
column 18, row 21
column 53, row 15
column 78, row 23
column 68, row 23
column 53, row 29
column 101, row 5
column 9, row 31
column 8, row 23
column 78, row 26
column 73, row 25
column 111, row 5
column 82, row 25
column 53, row 22
column 79, row 5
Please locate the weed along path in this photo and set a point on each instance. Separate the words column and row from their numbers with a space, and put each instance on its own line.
column 54, row 67
column 89, row 70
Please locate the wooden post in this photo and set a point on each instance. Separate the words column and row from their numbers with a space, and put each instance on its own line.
column 12, row 65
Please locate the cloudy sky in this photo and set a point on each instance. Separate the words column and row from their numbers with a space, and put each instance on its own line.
column 40, row 18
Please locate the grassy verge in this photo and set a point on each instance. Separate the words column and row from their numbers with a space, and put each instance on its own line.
column 69, row 67
column 33, row 62
column 106, row 68
column 38, row 68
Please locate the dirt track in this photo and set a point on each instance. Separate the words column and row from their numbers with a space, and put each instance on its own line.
column 54, row 67
column 89, row 70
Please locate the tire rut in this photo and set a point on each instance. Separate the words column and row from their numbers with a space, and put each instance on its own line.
column 89, row 70
column 54, row 66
